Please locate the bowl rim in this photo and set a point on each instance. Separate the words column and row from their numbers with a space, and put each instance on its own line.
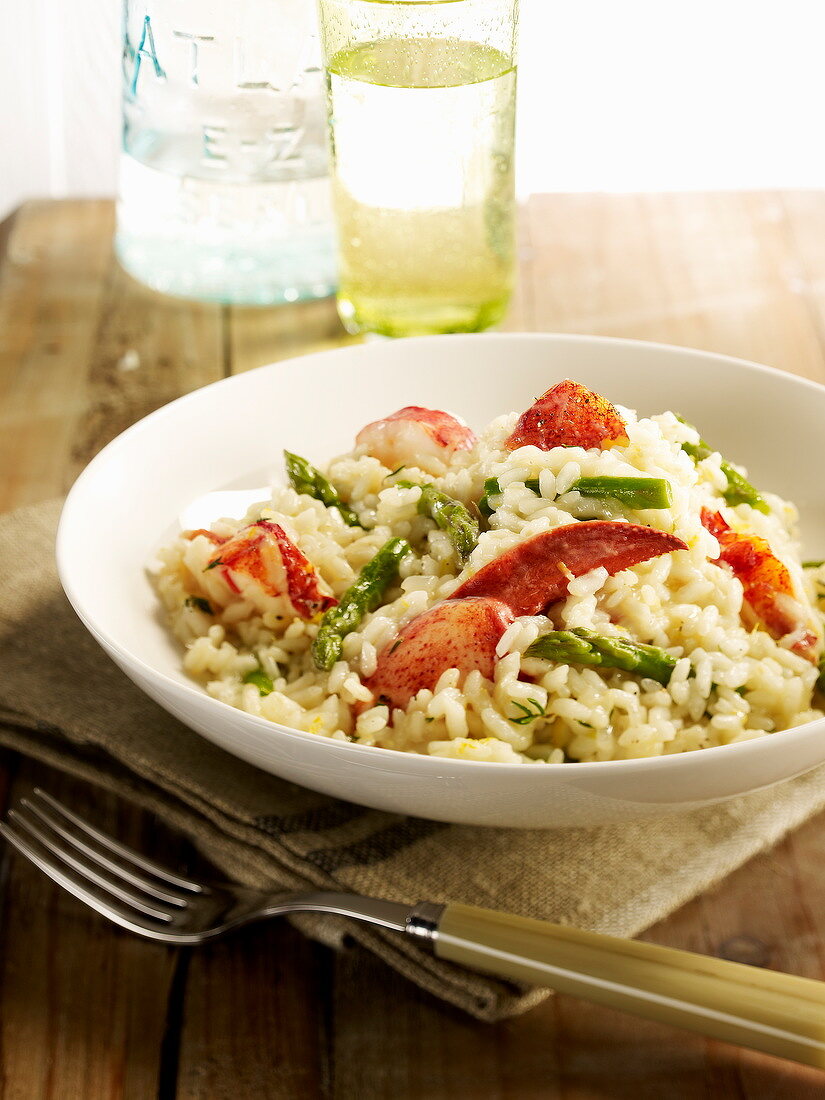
column 571, row 769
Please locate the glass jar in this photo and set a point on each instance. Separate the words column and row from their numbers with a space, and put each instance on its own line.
column 224, row 190
column 421, row 103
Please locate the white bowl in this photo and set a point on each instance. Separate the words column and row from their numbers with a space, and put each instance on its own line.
column 231, row 435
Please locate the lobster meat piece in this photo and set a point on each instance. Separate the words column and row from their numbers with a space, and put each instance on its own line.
column 768, row 590
column 568, row 415
column 414, row 436
column 536, row 572
column 460, row 634
column 261, row 560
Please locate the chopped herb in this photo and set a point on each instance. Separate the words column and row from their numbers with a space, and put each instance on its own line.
column 394, row 472
column 200, row 603
column 261, row 681
column 529, row 714
column 585, row 724
column 429, row 719
column 812, row 564
column 212, row 564
column 743, row 690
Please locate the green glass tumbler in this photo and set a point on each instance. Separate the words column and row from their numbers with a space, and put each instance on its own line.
column 421, row 102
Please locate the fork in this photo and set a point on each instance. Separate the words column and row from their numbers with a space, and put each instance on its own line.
column 777, row 1013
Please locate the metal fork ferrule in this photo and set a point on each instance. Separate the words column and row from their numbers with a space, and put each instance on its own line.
column 423, row 920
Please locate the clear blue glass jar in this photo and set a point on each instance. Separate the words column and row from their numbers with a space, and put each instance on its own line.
column 224, row 192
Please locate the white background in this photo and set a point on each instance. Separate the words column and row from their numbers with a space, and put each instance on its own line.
column 615, row 95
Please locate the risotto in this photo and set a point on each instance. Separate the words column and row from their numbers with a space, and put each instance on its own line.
column 577, row 583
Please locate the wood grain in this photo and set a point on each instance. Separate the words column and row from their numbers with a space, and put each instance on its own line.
column 255, row 1018
column 86, row 1011
column 92, row 1003
column 732, row 273
column 82, row 1007
column 51, row 287
column 148, row 350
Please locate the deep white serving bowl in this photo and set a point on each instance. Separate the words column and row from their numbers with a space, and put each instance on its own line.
column 231, row 435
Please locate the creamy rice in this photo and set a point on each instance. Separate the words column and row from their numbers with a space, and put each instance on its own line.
column 731, row 682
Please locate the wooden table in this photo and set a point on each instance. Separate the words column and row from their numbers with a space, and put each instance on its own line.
column 88, row 1012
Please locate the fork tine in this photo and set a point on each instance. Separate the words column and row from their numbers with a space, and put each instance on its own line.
column 120, row 849
column 143, row 883
column 82, row 889
column 85, row 870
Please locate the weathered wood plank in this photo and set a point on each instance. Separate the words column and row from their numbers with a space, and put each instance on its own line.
column 395, row 1042
column 82, row 1005
column 719, row 272
column 51, row 285
column 254, row 1018
column 256, row 336
column 148, row 350
column 83, row 352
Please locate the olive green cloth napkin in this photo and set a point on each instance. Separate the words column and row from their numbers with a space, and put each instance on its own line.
column 63, row 701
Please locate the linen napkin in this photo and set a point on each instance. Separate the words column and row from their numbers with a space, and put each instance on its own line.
column 86, row 717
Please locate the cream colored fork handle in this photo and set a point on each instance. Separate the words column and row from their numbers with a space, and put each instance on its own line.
column 777, row 1013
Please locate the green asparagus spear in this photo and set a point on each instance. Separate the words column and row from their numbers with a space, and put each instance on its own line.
column 633, row 492
column 739, row 490
column 586, row 647
column 304, row 478
column 450, row 515
column 261, row 681
column 363, row 595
